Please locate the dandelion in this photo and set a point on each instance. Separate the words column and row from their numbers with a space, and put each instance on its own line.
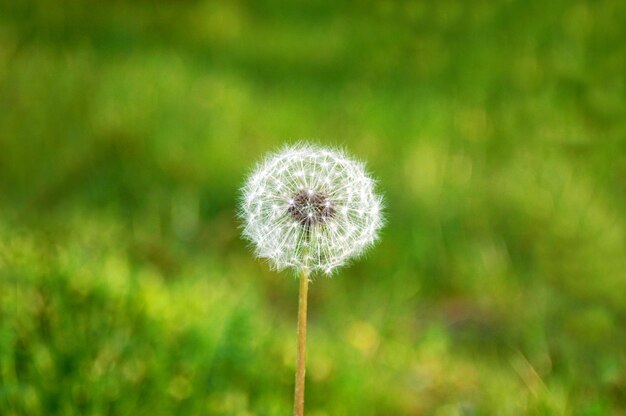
column 308, row 207
column 311, row 209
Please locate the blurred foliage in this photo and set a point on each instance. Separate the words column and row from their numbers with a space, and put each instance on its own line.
column 497, row 130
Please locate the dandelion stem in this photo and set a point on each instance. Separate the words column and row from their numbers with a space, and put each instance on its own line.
column 298, row 406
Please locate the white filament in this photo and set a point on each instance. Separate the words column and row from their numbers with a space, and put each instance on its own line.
column 286, row 243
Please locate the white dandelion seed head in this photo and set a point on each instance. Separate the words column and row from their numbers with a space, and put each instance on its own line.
column 310, row 207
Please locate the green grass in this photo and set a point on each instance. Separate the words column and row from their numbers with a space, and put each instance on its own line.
column 497, row 131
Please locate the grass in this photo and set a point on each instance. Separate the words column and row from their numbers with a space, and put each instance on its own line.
column 496, row 130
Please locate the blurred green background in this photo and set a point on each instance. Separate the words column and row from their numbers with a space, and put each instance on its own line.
column 497, row 130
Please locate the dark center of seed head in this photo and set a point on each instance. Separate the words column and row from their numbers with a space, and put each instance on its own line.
column 310, row 208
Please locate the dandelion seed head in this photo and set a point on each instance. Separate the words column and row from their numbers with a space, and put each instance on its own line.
column 310, row 207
